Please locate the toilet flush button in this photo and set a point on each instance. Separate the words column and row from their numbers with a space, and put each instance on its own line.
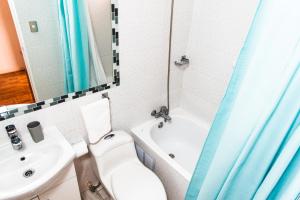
column 109, row 136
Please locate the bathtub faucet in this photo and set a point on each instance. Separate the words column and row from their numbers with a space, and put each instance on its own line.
column 163, row 113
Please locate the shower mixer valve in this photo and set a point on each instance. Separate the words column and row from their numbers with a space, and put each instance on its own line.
column 163, row 113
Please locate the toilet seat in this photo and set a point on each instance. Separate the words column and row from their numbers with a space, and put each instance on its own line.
column 133, row 181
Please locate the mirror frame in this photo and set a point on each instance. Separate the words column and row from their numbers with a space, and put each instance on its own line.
column 75, row 95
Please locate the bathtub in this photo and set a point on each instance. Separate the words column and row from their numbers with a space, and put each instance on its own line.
column 175, row 148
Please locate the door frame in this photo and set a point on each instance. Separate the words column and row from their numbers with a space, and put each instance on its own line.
column 23, row 47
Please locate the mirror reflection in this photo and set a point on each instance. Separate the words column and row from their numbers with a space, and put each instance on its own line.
column 53, row 47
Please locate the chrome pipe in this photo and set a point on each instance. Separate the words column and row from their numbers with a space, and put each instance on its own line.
column 170, row 53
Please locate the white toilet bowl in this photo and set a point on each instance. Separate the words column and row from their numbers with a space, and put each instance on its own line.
column 121, row 172
column 117, row 164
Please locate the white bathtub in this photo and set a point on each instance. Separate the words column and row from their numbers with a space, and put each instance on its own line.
column 183, row 137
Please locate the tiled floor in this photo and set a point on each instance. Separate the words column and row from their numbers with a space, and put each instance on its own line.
column 100, row 194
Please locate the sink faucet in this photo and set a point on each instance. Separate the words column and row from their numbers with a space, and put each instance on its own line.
column 163, row 113
column 14, row 138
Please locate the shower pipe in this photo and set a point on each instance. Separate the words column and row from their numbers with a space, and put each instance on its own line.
column 170, row 53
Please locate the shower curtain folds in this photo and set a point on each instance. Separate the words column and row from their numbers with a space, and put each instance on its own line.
column 82, row 63
column 252, row 150
column 74, row 37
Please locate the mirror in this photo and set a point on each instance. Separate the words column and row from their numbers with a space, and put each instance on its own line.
column 52, row 48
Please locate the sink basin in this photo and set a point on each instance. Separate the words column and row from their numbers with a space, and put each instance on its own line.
column 29, row 171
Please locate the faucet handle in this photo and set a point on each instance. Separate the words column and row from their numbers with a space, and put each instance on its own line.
column 11, row 130
column 153, row 113
column 10, row 127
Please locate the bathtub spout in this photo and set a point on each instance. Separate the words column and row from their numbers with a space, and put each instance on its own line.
column 166, row 118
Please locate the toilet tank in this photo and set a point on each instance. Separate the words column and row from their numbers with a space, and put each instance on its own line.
column 112, row 151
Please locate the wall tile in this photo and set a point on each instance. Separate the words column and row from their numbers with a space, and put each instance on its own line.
column 218, row 31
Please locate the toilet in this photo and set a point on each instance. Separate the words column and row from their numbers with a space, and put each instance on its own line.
column 115, row 158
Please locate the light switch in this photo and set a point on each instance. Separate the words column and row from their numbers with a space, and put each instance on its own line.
column 33, row 26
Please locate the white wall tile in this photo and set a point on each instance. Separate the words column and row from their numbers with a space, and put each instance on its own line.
column 182, row 20
column 218, row 31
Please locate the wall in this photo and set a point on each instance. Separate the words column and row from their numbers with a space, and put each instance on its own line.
column 218, row 31
column 42, row 50
column 11, row 58
column 182, row 21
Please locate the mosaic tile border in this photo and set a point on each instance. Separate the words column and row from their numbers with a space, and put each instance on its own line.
column 75, row 95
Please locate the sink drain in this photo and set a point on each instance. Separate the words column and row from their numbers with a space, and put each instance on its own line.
column 171, row 155
column 28, row 173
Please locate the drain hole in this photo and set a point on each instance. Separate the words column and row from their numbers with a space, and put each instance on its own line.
column 171, row 155
column 28, row 173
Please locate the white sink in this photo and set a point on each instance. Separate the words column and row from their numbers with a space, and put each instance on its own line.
column 42, row 161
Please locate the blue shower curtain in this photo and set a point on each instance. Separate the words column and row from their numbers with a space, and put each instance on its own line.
column 252, row 150
column 74, row 38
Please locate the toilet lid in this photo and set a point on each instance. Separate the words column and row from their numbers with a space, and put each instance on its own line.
column 136, row 182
